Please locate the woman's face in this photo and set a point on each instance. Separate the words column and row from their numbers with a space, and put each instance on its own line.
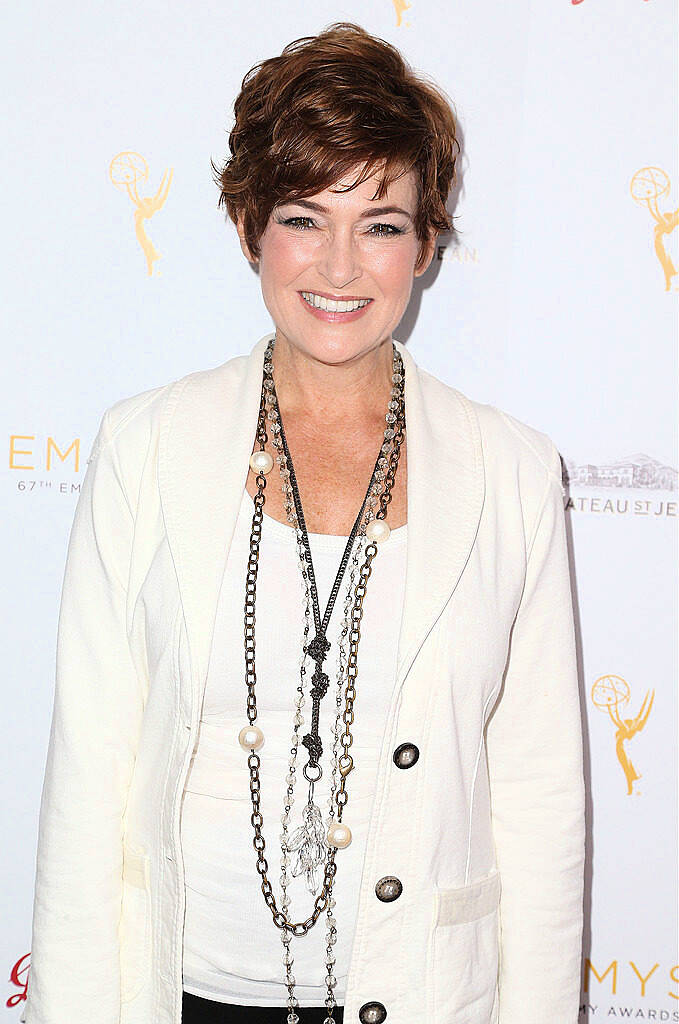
column 341, row 247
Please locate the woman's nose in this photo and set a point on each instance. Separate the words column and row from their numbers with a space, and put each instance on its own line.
column 340, row 260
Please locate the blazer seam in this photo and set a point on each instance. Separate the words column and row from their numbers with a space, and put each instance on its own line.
column 134, row 411
column 108, row 434
column 530, row 445
column 473, row 787
column 108, row 438
column 538, row 518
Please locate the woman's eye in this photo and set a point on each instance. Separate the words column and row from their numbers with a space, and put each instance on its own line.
column 294, row 222
column 382, row 230
column 391, row 229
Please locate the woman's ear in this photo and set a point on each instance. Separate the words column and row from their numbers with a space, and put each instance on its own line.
column 427, row 255
column 243, row 244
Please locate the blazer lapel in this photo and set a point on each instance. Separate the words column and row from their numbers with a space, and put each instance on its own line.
column 207, row 434
column 206, row 438
column 445, row 489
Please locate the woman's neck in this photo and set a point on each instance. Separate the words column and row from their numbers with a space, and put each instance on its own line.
column 327, row 395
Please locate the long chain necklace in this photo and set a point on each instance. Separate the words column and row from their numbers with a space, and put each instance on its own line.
column 312, row 840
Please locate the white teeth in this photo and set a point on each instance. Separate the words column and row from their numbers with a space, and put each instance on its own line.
column 334, row 305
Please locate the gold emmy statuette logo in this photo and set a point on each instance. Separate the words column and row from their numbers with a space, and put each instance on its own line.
column 647, row 186
column 126, row 171
column 608, row 694
column 401, row 6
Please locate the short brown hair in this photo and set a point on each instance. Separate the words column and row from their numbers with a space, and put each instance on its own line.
column 327, row 103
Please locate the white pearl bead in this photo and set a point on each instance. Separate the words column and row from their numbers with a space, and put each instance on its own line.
column 260, row 462
column 377, row 530
column 339, row 835
column 251, row 737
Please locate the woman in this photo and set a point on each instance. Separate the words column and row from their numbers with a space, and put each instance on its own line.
column 318, row 517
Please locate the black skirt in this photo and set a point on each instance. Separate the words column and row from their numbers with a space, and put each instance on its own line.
column 196, row 1010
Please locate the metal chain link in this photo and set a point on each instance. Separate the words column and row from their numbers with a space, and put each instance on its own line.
column 345, row 761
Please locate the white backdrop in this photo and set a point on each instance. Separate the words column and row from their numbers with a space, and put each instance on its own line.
column 564, row 261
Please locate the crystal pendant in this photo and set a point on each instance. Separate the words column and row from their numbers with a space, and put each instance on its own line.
column 310, row 842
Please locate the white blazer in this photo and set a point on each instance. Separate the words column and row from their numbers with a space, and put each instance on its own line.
column 485, row 831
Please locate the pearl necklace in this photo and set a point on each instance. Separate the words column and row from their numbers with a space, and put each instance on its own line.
column 310, row 839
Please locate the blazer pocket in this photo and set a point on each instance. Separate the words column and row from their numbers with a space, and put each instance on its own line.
column 465, row 952
column 135, row 922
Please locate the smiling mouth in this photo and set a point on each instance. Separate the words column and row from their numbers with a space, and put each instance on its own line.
column 333, row 305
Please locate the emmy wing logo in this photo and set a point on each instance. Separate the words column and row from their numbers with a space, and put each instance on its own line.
column 127, row 172
column 401, row 6
column 648, row 186
column 610, row 694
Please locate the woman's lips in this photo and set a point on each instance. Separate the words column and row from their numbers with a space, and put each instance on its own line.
column 331, row 316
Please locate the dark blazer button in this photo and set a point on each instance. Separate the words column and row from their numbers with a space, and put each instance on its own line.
column 405, row 755
column 372, row 1013
column 388, row 888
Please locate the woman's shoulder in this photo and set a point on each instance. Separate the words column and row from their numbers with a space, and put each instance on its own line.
column 151, row 401
column 133, row 420
column 508, row 437
column 510, row 446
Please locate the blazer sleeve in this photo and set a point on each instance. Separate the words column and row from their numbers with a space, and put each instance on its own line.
column 535, row 762
column 74, row 973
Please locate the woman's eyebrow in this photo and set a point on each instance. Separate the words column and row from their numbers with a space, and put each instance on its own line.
column 373, row 211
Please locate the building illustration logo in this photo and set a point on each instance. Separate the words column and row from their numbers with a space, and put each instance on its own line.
column 129, row 170
column 648, row 186
column 633, row 471
column 609, row 695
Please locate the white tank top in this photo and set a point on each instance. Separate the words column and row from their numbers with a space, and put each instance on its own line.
column 233, row 951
